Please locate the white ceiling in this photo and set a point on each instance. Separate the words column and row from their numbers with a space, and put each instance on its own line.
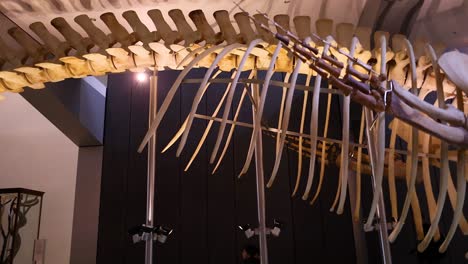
column 443, row 21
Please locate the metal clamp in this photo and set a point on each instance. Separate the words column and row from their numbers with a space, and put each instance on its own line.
column 388, row 91
column 376, row 223
column 146, row 232
column 386, row 97
column 250, row 232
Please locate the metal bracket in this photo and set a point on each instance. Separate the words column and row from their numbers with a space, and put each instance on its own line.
column 376, row 224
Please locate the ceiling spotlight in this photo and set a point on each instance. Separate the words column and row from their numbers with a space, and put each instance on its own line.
column 141, row 77
column 248, row 231
column 277, row 225
column 144, row 232
column 161, row 234
column 140, row 233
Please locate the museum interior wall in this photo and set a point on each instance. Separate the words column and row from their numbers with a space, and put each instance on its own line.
column 36, row 155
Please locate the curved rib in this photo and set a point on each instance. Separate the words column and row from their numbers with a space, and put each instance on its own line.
column 337, row 195
column 208, row 127
column 461, row 188
column 345, row 136
column 453, row 194
column 285, row 123
column 380, row 147
column 176, row 136
column 398, row 73
column 391, row 170
column 257, row 122
column 313, row 127
column 230, row 97
column 357, row 208
column 426, row 174
column 413, row 158
column 281, row 112
column 170, row 95
column 201, row 91
column 192, row 54
column 324, row 148
column 453, row 135
column 450, row 114
column 444, row 168
column 231, row 131
column 183, row 126
column 301, row 130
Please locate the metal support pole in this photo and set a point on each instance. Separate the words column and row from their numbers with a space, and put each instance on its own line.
column 358, row 231
column 260, row 187
column 153, row 103
column 261, row 201
column 383, row 231
column 380, row 212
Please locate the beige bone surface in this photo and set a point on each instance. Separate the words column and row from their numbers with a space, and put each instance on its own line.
column 301, row 130
column 444, row 169
column 461, row 189
column 201, row 91
column 229, row 100
column 345, row 134
column 285, row 123
column 261, row 105
column 313, row 128
column 411, row 166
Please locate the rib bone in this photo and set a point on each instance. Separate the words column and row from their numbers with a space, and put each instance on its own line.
column 170, row 95
column 313, row 126
column 261, row 106
column 444, row 161
column 201, row 91
column 227, row 107
column 461, row 188
column 380, row 139
column 345, row 137
column 413, row 158
column 285, row 123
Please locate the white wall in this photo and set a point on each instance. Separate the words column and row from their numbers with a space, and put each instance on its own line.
column 35, row 154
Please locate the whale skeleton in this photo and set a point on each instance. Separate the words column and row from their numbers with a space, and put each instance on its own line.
column 375, row 78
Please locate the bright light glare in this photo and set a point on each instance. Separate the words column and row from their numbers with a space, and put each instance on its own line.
column 141, row 77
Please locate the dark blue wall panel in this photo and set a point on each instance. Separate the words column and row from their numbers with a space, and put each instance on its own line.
column 204, row 208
